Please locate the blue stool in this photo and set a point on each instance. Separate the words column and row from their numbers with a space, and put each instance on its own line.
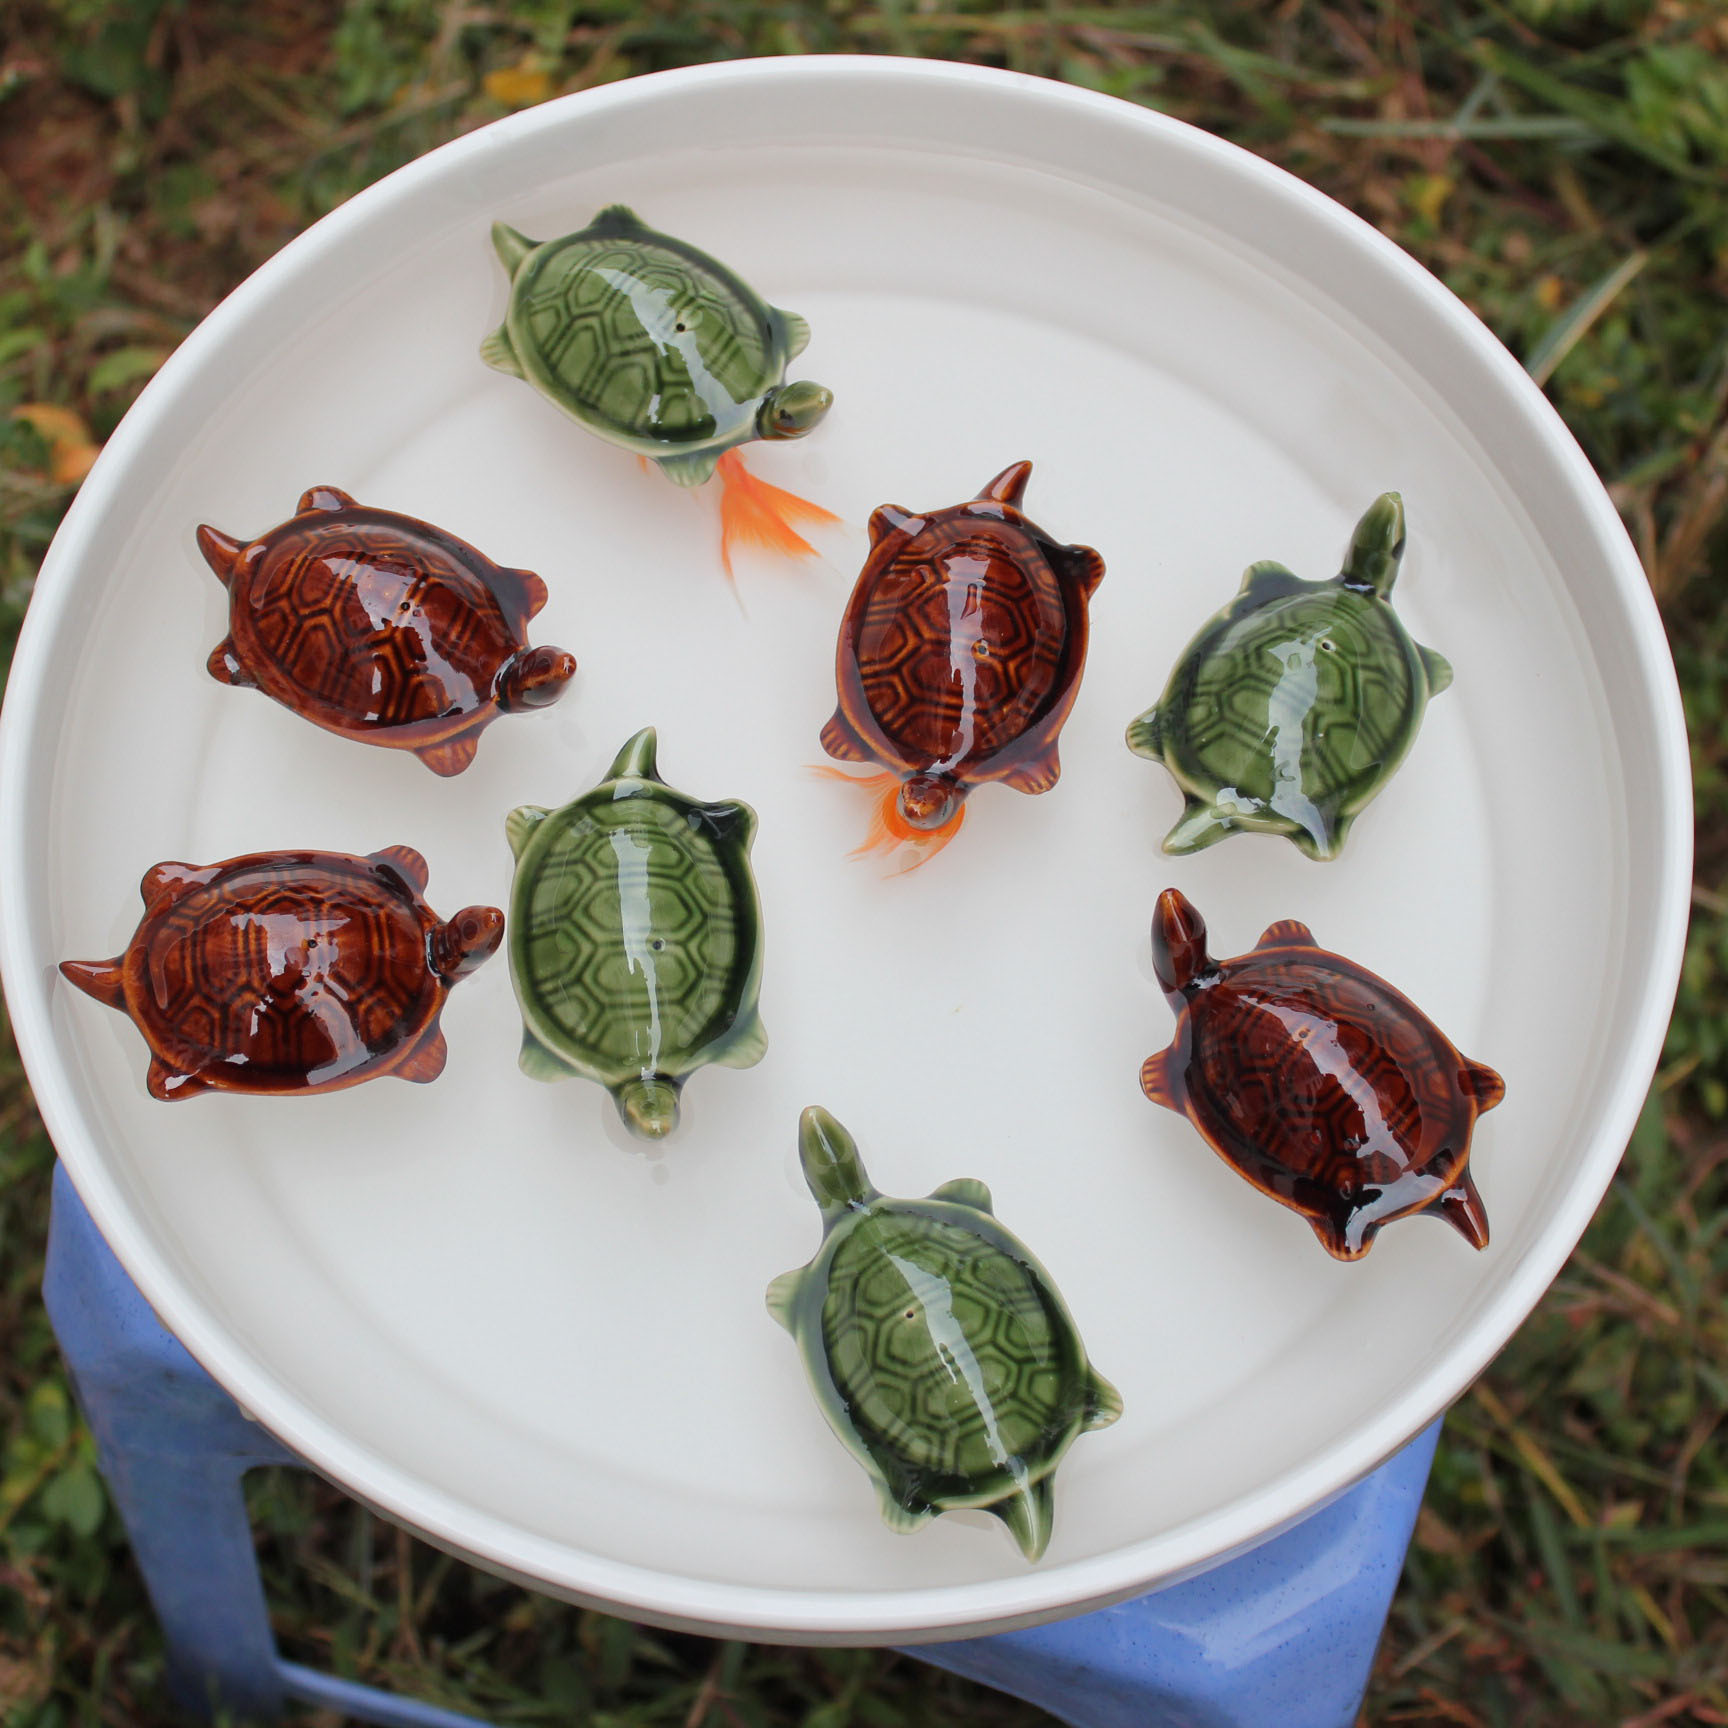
column 1281, row 1637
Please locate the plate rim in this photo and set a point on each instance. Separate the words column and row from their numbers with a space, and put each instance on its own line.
column 874, row 1616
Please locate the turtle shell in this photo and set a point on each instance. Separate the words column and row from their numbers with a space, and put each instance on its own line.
column 1318, row 1081
column 962, row 647
column 1293, row 707
column 290, row 972
column 636, row 938
column 902, row 1291
column 382, row 628
column 641, row 337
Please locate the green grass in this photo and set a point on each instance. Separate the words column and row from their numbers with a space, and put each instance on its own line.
column 1561, row 164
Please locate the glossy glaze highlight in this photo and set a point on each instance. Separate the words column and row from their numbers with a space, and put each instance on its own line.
column 1318, row 1081
column 290, row 972
column 937, row 1346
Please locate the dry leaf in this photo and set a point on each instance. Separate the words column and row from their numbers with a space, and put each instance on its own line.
column 71, row 450
column 518, row 86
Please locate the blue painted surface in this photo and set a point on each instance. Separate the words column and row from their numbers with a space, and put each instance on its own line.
column 173, row 1447
column 1281, row 1637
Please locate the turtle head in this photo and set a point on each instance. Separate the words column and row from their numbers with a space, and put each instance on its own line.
column 649, row 1106
column 831, row 1163
column 1179, row 954
column 791, row 410
column 535, row 678
column 929, row 802
column 1376, row 548
column 471, row 937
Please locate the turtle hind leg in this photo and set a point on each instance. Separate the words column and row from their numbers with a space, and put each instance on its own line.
column 904, row 1515
column 169, row 1084
column 1201, row 825
column 1103, row 1403
column 746, row 1045
column 782, row 1297
column 499, row 352
column 1146, row 735
column 224, row 666
column 753, row 513
column 1482, row 1084
column 1030, row 1514
column 1160, row 1083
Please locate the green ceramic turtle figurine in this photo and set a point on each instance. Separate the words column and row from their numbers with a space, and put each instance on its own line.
column 660, row 349
column 1295, row 705
column 636, row 938
column 938, row 1348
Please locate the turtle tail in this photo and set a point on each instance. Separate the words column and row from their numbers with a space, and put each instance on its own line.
column 890, row 832
column 1029, row 1512
column 753, row 513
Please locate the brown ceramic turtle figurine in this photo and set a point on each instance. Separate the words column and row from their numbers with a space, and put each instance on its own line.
column 290, row 972
column 959, row 659
column 1324, row 1086
column 381, row 627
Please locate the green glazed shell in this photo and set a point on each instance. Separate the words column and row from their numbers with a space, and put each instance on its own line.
column 636, row 938
column 650, row 343
column 1295, row 705
column 937, row 1346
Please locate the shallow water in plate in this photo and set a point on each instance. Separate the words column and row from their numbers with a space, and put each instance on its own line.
column 482, row 1282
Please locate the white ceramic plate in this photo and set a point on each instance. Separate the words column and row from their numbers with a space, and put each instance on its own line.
column 480, row 1307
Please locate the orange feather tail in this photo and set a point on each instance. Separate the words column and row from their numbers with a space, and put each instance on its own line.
column 753, row 513
column 890, row 832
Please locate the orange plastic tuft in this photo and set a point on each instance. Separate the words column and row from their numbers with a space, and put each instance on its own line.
column 753, row 513
column 890, row 832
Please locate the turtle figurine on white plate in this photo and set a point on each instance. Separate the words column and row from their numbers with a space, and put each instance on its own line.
column 660, row 349
column 1292, row 708
column 636, row 938
column 1328, row 1089
column 938, row 1348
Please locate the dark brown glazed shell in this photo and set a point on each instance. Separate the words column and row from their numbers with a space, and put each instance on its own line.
column 289, row 972
column 961, row 650
column 1324, row 1086
column 382, row 628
